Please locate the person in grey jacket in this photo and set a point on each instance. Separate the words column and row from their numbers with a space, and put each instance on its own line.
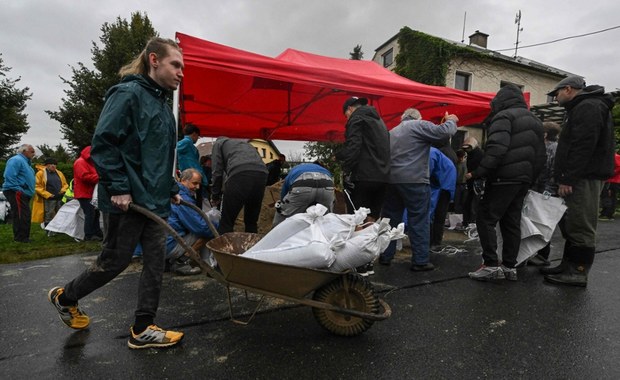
column 239, row 177
column 409, row 182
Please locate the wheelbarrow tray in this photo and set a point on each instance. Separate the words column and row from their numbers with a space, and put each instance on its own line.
column 286, row 280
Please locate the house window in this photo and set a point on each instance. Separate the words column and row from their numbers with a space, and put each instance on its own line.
column 462, row 81
column 388, row 58
column 506, row 83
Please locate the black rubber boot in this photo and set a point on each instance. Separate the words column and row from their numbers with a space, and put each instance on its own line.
column 562, row 266
column 574, row 275
column 579, row 261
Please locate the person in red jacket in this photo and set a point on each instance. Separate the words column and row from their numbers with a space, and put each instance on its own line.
column 85, row 179
column 609, row 194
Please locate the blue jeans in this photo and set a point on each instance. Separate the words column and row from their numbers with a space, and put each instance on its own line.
column 415, row 198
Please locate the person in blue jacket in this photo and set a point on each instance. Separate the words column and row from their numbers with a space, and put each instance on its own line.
column 133, row 152
column 18, row 188
column 188, row 223
column 189, row 157
column 305, row 185
column 443, row 184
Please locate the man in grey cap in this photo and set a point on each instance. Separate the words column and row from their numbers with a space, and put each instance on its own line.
column 583, row 160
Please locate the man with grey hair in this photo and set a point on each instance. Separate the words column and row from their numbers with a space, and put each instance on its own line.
column 18, row 188
column 409, row 182
column 584, row 159
column 188, row 223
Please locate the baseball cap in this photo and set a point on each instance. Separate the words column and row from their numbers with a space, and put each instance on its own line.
column 573, row 81
column 353, row 101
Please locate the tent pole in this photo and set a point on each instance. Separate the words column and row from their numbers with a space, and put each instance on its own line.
column 175, row 113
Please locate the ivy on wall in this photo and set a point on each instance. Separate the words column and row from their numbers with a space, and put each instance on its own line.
column 425, row 59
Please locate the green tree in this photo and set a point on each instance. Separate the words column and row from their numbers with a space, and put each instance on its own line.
column 324, row 152
column 357, row 54
column 120, row 43
column 60, row 153
column 13, row 120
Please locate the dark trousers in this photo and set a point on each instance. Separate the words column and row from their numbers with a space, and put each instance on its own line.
column 243, row 190
column 367, row 194
column 609, row 197
column 91, row 218
column 470, row 205
column 503, row 204
column 123, row 232
column 439, row 218
column 459, row 197
column 20, row 213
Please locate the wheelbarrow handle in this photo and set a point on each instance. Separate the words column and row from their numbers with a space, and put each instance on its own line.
column 203, row 214
column 190, row 251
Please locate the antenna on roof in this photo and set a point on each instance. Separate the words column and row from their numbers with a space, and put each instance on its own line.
column 464, row 19
column 519, row 29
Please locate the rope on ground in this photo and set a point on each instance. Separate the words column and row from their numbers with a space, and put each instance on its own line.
column 448, row 250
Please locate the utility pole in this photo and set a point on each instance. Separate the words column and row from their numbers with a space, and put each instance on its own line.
column 464, row 20
column 519, row 29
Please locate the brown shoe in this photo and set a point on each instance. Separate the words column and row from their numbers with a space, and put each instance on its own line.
column 422, row 267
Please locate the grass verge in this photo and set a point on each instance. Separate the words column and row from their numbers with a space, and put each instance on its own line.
column 42, row 246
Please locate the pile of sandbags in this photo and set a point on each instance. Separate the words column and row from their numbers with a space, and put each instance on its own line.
column 318, row 240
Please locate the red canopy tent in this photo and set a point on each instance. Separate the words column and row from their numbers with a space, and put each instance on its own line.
column 299, row 96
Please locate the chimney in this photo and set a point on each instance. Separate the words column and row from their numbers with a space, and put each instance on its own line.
column 479, row 39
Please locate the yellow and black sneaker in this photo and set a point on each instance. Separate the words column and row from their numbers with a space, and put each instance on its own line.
column 71, row 316
column 154, row 337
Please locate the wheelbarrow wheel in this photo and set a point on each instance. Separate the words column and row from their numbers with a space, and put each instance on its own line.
column 357, row 295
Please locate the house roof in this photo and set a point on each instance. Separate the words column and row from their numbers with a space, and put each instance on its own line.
column 519, row 61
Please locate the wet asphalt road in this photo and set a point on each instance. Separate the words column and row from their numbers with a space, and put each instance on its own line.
column 443, row 326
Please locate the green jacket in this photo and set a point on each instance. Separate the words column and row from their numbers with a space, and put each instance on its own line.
column 133, row 146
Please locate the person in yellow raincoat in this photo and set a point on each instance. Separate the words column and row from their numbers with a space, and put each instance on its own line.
column 50, row 187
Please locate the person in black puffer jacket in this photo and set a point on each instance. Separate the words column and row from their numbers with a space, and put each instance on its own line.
column 513, row 158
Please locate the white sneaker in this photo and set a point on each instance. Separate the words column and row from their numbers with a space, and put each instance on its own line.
column 510, row 274
column 485, row 273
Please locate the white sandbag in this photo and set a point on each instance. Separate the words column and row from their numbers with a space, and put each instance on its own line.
column 68, row 220
column 309, row 255
column 539, row 217
column 296, row 227
column 305, row 239
column 455, row 220
column 298, row 241
column 4, row 210
column 365, row 245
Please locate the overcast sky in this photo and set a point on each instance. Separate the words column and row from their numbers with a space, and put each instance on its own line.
column 41, row 39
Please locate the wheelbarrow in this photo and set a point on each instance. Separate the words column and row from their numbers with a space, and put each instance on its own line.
column 344, row 303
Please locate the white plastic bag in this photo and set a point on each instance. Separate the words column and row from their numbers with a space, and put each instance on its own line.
column 68, row 220
column 539, row 217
